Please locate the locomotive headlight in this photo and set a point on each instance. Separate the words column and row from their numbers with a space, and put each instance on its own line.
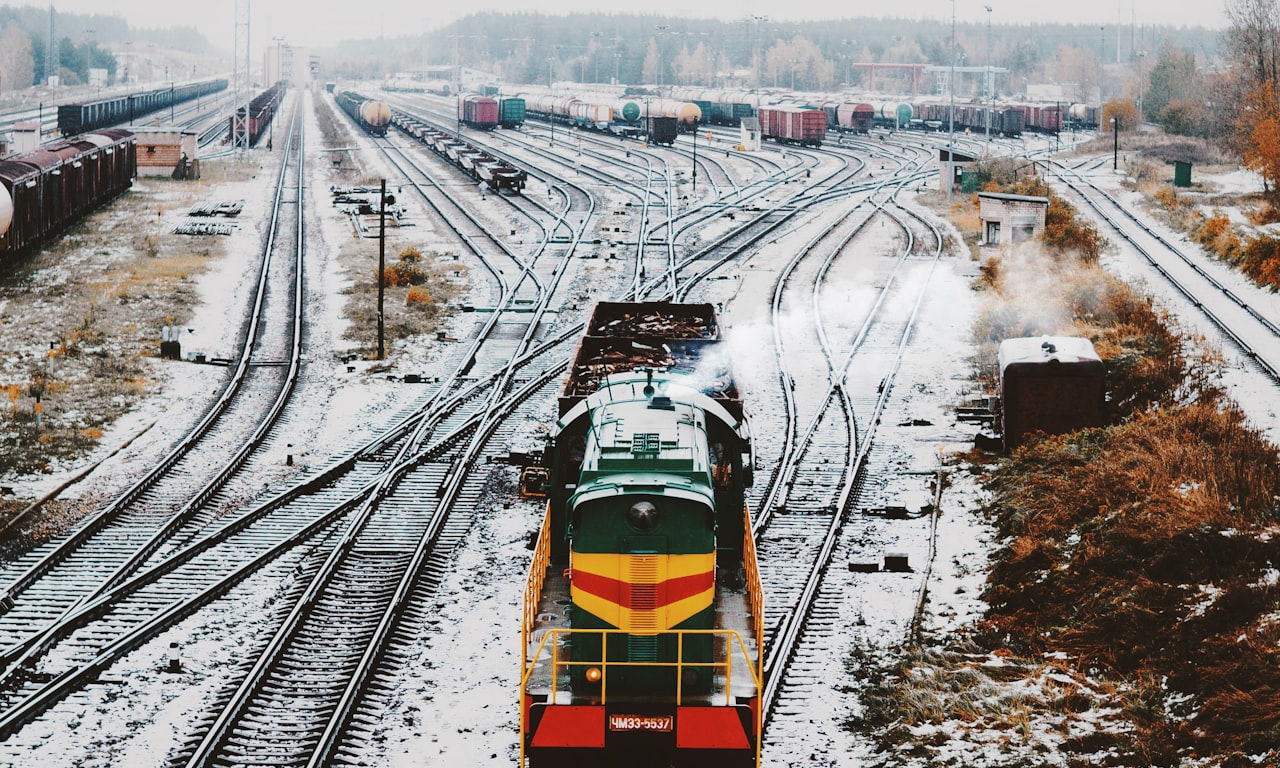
column 592, row 674
column 643, row 516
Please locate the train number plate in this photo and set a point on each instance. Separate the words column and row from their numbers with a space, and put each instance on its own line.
column 661, row 724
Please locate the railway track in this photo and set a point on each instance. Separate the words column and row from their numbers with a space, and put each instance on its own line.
column 825, row 467
column 187, row 489
column 1230, row 307
column 386, row 521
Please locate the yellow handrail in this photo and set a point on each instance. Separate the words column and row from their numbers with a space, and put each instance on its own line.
column 558, row 665
column 533, row 586
column 754, row 589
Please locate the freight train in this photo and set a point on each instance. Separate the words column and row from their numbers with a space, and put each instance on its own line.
column 371, row 115
column 44, row 191
column 496, row 174
column 642, row 619
column 1004, row 119
column 625, row 116
column 120, row 110
column 262, row 109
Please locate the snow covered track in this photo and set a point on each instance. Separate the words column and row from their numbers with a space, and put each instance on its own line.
column 805, row 518
column 1219, row 294
column 179, row 495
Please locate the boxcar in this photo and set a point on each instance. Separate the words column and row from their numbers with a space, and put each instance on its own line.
column 793, row 125
column 479, row 112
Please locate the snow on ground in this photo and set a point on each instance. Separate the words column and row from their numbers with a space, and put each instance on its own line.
column 458, row 705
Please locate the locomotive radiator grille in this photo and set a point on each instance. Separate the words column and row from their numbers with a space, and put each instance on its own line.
column 642, row 577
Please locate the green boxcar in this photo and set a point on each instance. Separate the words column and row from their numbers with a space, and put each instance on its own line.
column 511, row 112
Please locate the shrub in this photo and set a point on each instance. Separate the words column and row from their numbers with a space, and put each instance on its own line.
column 418, row 296
column 1112, row 532
column 1260, row 260
column 404, row 273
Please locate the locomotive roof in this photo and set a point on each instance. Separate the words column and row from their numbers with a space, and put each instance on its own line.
column 630, row 388
column 1047, row 349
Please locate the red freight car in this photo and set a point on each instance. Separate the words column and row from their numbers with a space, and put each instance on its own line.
column 479, row 112
column 42, row 192
column 794, row 125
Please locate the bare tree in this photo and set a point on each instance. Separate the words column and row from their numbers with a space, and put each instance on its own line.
column 17, row 65
column 1253, row 40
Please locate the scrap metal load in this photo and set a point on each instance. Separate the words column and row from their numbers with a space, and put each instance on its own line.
column 680, row 338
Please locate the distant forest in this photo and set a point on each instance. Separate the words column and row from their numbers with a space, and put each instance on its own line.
column 535, row 48
column 528, row 47
column 82, row 42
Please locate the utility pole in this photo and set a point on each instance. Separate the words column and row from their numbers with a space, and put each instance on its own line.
column 382, row 261
column 951, row 112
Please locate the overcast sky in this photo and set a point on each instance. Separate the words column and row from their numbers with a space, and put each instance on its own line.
column 325, row 22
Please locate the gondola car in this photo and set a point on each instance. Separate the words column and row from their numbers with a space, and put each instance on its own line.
column 642, row 620
column 120, row 110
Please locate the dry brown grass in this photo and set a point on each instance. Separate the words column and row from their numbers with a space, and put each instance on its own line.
column 1140, row 556
column 100, row 294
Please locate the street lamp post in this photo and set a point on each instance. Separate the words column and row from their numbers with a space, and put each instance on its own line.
column 1115, row 152
column 695, row 161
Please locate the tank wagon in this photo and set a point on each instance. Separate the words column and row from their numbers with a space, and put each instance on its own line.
column 892, row 114
column 44, row 191
column 262, row 109
column 494, row 173
column 1051, row 384
column 719, row 106
column 794, row 125
column 687, row 114
column 371, row 115
column 479, row 112
column 641, row 624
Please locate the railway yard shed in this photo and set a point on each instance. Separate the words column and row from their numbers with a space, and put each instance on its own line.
column 1010, row 219
column 167, row 151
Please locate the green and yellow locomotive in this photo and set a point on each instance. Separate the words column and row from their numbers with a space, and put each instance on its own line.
column 642, row 617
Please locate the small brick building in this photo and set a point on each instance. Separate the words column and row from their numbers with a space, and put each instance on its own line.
column 1010, row 219
column 167, row 151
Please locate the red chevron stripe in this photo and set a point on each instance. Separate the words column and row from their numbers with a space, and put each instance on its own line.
column 643, row 596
